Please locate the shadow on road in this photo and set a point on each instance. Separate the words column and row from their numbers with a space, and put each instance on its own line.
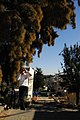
column 44, row 115
column 55, row 112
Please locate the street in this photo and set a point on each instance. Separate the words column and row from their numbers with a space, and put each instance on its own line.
column 41, row 112
column 16, row 114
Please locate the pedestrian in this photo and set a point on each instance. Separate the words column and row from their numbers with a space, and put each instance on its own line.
column 23, row 85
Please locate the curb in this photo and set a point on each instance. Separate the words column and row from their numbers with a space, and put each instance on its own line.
column 1, row 108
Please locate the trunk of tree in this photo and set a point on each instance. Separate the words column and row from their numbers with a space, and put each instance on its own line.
column 77, row 95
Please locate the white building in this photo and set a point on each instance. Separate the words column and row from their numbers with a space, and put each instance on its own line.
column 30, row 84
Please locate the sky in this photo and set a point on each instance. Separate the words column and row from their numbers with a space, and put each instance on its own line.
column 50, row 59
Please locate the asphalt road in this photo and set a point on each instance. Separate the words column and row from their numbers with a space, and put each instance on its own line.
column 41, row 112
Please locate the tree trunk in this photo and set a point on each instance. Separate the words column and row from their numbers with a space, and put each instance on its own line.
column 77, row 95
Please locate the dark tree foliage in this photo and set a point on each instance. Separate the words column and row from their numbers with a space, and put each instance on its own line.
column 27, row 25
column 71, row 68
column 38, row 79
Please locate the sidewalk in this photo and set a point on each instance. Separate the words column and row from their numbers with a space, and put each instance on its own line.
column 1, row 108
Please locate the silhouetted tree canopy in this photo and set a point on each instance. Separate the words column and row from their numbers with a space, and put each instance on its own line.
column 38, row 79
column 71, row 68
column 26, row 26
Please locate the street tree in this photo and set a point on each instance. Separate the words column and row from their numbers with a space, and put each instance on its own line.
column 71, row 68
column 39, row 80
column 26, row 26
